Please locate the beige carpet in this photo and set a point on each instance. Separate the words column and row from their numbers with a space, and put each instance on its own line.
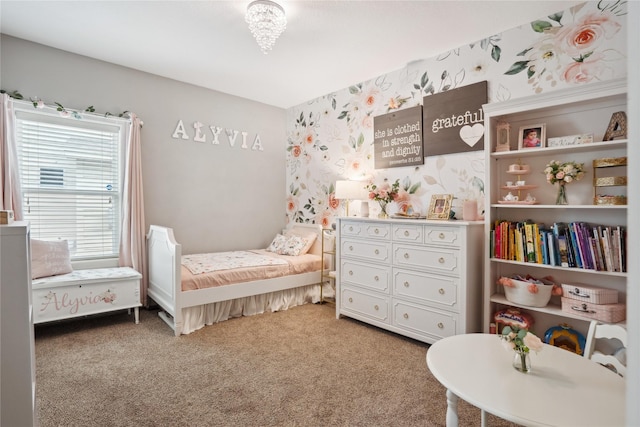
column 300, row 367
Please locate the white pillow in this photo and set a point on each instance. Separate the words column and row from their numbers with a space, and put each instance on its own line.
column 49, row 258
column 309, row 236
column 287, row 245
column 277, row 245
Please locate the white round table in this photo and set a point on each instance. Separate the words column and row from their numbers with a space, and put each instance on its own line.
column 562, row 389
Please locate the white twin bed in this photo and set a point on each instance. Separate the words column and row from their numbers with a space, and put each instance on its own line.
column 203, row 292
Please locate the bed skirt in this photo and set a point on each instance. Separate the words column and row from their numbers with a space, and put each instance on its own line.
column 197, row 317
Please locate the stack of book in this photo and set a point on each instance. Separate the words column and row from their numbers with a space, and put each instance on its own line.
column 573, row 245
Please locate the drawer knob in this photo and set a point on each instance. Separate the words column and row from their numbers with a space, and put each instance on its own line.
column 350, row 228
column 406, row 284
column 350, row 248
column 350, row 272
column 406, row 255
column 350, row 299
column 406, row 315
column 441, row 260
column 376, row 278
column 406, row 233
column 440, row 325
column 441, row 291
column 377, row 252
column 376, row 231
column 441, row 235
column 376, row 307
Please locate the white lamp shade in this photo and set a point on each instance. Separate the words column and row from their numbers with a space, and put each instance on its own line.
column 351, row 190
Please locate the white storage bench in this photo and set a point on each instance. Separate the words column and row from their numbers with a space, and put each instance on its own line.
column 85, row 292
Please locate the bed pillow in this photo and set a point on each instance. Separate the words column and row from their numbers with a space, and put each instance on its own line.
column 288, row 245
column 49, row 258
column 309, row 236
column 278, row 244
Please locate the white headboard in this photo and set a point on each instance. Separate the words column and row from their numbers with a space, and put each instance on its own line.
column 316, row 249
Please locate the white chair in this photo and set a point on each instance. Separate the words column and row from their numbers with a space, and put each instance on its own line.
column 607, row 354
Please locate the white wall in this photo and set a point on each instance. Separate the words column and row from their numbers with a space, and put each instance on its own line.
column 216, row 197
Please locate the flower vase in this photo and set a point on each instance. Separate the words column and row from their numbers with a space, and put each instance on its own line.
column 383, row 210
column 522, row 361
column 561, row 197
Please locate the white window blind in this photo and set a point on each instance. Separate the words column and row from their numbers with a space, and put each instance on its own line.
column 70, row 174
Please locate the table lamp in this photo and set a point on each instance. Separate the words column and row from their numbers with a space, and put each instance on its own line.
column 352, row 190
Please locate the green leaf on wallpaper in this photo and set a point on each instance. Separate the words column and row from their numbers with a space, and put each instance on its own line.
column 354, row 89
column 323, row 148
column 333, row 103
column 360, row 140
column 495, row 53
column 342, row 115
column 540, row 26
column 517, row 67
column 524, row 52
column 424, row 80
column 531, row 71
column 556, row 17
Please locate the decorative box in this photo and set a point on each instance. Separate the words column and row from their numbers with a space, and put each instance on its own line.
column 6, row 217
column 609, row 313
column 587, row 293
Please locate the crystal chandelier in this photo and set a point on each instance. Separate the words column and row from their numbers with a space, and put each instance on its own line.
column 266, row 21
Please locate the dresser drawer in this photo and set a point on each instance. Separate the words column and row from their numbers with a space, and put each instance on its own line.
column 426, row 288
column 449, row 236
column 366, row 250
column 424, row 257
column 408, row 233
column 423, row 321
column 373, row 230
column 365, row 304
column 366, row 275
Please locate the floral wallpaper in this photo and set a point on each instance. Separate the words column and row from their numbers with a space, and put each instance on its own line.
column 331, row 138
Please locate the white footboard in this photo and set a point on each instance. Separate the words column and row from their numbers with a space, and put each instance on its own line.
column 164, row 274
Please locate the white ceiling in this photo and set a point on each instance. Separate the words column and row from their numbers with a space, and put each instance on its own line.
column 327, row 46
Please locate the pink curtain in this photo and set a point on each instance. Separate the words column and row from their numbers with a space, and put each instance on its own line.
column 11, row 196
column 132, row 237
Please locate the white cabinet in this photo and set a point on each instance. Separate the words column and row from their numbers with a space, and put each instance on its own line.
column 17, row 348
column 421, row 279
column 580, row 110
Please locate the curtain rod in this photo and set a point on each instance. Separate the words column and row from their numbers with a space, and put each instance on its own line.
column 71, row 111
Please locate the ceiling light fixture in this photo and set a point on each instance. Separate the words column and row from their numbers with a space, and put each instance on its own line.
column 266, row 21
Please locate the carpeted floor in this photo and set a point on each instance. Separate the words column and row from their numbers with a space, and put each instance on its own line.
column 300, row 367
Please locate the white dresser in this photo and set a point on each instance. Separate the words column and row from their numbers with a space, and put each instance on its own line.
column 421, row 279
column 17, row 347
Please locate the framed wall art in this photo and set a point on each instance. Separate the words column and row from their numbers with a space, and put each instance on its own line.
column 440, row 206
column 531, row 136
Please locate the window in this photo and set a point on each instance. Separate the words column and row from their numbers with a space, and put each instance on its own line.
column 71, row 176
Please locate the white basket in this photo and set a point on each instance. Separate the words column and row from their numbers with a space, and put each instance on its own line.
column 520, row 294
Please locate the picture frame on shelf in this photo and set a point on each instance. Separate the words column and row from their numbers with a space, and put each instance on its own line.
column 440, row 206
column 532, row 136
column 502, row 137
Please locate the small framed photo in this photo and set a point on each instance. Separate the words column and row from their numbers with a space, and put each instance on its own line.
column 502, row 137
column 440, row 206
column 532, row 136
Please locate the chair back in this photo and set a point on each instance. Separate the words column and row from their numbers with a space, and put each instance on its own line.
column 607, row 354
